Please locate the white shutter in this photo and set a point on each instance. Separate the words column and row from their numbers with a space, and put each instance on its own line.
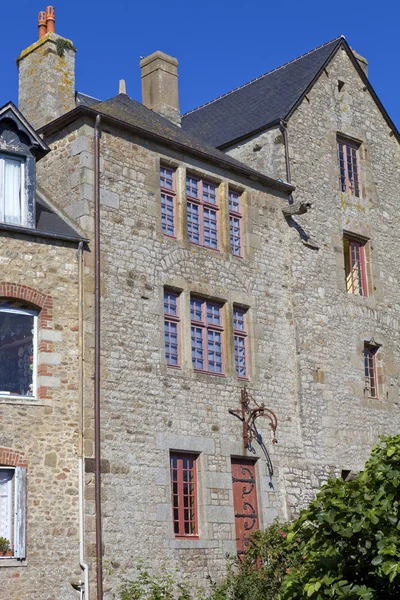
column 20, row 513
column 12, row 191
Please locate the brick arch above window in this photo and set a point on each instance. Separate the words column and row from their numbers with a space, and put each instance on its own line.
column 12, row 458
column 43, row 305
column 30, row 296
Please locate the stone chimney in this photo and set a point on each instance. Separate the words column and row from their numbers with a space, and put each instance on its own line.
column 361, row 61
column 46, row 74
column 160, row 85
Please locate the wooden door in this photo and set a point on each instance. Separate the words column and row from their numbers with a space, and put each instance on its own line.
column 244, row 501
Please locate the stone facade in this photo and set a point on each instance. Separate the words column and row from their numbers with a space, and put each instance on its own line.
column 306, row 338
column 149, row 409
column 339, row 423
column 42, row 434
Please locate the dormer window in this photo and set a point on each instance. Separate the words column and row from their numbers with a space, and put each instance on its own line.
column 20, row 148
column 12, row 198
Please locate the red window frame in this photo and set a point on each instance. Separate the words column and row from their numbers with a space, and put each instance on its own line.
column 199, row 201
column 356, row 273
column 168, row 200
column 207, row 333
column 171, row 322
column 371, row 380
column 235, row 223
column 348, row 167
column 183, row 470
column 240, row 341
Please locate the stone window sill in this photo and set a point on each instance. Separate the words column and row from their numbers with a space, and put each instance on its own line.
column 181, row 544
column 25, row 400
column 377, row 404
column 13, row 562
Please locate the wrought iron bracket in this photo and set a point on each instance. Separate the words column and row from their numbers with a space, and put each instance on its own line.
column 248, row 413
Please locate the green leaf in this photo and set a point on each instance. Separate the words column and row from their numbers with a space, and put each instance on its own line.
column 311, row 590
column 377, row 560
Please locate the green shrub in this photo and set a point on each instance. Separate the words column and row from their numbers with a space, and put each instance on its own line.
column 162, row 585
column 350, row 535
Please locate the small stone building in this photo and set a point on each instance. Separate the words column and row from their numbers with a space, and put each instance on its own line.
column 248, row 261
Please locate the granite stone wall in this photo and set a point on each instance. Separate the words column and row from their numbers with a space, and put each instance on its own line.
column 339, row 423
column 149, row 409
column 42, row 433
column 306, row 333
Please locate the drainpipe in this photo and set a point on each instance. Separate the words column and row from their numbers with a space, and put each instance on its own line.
column 283, row 128
column 83, row 564
column 97, row 425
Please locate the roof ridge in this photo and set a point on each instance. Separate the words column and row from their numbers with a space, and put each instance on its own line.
column 261, row 76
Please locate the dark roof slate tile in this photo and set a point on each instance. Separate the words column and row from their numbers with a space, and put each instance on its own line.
column 259, row 103
column 130, row 112
column 47, row 221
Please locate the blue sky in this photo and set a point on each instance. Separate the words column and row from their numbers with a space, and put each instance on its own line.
column 220, row 44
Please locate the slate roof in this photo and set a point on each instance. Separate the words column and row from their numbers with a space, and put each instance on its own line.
column 268, row 99
column 258, row 103
column 85, row 99
column 47, row 221
column 126, row 112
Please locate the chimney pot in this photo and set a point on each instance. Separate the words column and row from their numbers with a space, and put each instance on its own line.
column 42, row 24
column 50, row 19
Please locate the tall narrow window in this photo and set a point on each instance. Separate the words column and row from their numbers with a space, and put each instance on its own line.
column 240, row 341
column 348, row 167
column 171, row 328
column 11, row 190
column 355, row 269
column 235, row 223
column 184, row 494
column 168, row 200
column 17, row 351
column 207, row 335
column 371, row 387
column 202, row 212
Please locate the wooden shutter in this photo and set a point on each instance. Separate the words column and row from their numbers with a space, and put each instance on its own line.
column 20, row 513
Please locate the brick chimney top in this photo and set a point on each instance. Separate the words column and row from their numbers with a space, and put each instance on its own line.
column 46, row 21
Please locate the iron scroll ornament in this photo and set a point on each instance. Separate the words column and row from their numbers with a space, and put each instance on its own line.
column 248, row 415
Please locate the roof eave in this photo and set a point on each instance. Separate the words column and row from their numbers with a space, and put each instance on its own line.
column 26, row 231
column 79, row 111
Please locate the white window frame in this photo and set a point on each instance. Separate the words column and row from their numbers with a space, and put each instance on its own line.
column 10, row 503
column 24, row 208
column 34, row 314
